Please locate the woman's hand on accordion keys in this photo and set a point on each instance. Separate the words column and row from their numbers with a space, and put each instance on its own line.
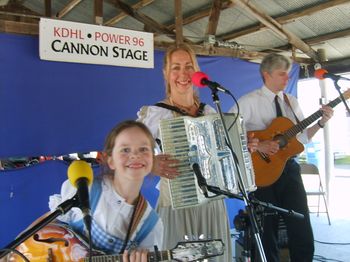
column 165, row 166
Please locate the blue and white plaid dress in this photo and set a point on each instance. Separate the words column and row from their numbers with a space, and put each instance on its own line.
column 103, row 240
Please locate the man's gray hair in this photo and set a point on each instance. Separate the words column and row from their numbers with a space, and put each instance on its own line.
column 274, row 61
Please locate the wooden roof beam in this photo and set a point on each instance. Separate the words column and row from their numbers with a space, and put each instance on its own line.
column 98, row 12
column 147, row 21
column 68, row 8
column 277, row 28
column 283, row 19
column 201, row 14
column 321, row 38
column 329, row 36
column 216, row 51
column 18, row 10
column 119, row 17
column 213, row 18
column 48, row 8
column 178, row 21
column 19, row 27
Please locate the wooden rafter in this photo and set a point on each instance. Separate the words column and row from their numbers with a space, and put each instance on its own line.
column 119, row 17
column 68, row 8
column 16, row 14
column 201, row 14
column 329, row 36
column 213, row 18
column 16, row 18
column 178, row 21
column 321, row 38
column 48, row 9
column 277, row 28
column 17, row 9
column 19, row 27
column 13, row 14
column 217, row 51
column 98, row 12
column 147, row 21
column 284, row 19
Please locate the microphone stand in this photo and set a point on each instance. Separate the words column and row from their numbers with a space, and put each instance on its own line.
column 247, row 202
column 341, row 95
column 217, row 191
column 60, row 210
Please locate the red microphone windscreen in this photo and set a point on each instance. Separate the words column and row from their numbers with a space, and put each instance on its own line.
column 319, row 73
column 197, row 78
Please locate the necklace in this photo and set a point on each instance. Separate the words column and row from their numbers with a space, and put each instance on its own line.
column 182, row 106
column 191, row 110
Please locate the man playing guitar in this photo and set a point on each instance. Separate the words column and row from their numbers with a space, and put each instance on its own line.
column 259, row 109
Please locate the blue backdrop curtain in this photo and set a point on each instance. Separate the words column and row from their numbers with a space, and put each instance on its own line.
column 55, row 108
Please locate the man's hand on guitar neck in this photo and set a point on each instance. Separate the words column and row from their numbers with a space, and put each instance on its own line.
column 327, row 113
column 268, row 147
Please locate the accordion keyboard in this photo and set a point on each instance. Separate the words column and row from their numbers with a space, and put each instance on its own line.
column 202, row 140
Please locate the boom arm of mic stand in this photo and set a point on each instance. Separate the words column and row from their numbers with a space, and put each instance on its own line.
column 218, row 191
column 278, row 209
column 61, row 209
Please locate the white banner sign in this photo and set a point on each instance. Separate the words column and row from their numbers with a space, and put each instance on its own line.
column 92, row 44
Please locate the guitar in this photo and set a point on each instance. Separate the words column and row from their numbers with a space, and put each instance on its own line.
column 268, row 168
column 57, row 242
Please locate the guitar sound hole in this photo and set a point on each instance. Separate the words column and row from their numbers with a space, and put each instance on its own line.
column 281, row 139
column 51, row 240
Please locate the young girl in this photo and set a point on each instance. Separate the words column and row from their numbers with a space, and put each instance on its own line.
column 121, row 217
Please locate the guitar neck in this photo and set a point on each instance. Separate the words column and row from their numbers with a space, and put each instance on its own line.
column 151, row 257
column 293, row 131
column 159, row 256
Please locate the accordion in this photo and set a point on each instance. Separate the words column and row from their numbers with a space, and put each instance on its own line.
column 202, row 140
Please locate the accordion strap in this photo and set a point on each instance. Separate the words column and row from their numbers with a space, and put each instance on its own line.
column 180, row 111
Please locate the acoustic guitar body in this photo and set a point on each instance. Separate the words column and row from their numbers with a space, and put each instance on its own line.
column 52, row 243
column 269, row 168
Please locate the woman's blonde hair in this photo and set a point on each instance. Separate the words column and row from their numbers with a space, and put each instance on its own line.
column 166, row 65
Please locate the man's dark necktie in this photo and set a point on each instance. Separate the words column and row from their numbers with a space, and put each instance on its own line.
column 278, row 107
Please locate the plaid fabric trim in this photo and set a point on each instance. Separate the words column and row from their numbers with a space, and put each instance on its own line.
column 104, row 241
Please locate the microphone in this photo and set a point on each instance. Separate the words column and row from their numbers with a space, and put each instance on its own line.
column 201, row 79
column 202, row 183
column 80, row 175
column 323, row 73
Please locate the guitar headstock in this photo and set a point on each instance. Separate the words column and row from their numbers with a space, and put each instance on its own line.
column 197, row 250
